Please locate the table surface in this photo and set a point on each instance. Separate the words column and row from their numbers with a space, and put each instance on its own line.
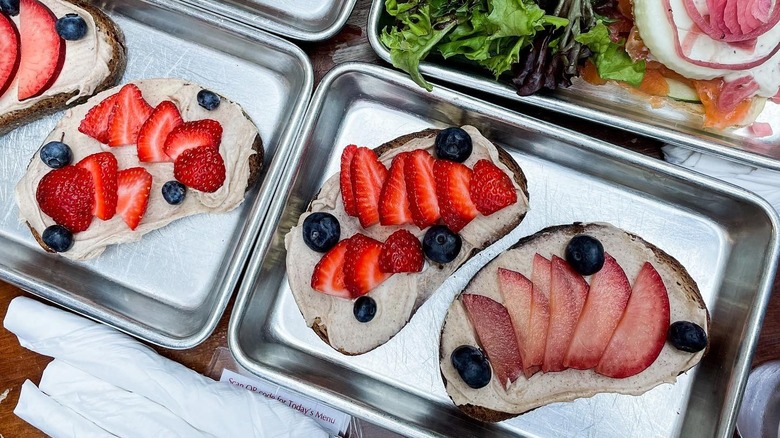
column 351, row 44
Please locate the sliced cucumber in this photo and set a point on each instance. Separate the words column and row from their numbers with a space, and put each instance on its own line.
column 681, row 91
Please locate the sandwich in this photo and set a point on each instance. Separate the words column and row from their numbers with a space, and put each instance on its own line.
column 54, row 54
column 133, row 159
column 382, row 234
column 570, row 312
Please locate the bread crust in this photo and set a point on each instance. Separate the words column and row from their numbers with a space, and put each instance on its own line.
column 689, row 286
column 116, row 66
column 504, row 157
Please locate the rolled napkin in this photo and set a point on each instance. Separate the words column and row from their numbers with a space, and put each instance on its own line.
column 115, row 410
column 52, row 418
column 212, row 407
column 763, row 182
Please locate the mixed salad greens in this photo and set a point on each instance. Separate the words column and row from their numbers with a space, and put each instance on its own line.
column 536, row 44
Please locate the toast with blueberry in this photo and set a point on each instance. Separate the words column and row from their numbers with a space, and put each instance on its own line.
column 54, row 54
column 566, row 313
column 133, row 159
column 384, row 233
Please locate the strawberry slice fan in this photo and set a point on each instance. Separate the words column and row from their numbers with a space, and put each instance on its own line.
column 32, row 55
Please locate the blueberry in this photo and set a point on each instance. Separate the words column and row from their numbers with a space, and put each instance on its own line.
column 10, row 7
column 585, row 254
column 56, row 154
column 58, row 238
column 174, row 192
column 453, row 144
column 321, row 231
column 687, row 336
column 441, row 245
column 365, row 308
column 472, row 366
column 208, row 100
column 71, row 27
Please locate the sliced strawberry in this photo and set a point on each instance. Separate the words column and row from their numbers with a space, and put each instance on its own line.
column 154, row 132
column 328, row 276
column 129, row 114
column 201, row 168
column 452, row 194
column 641, row 332
column 361, row 265
column 568, row 291
column 401, row 252
column 95, row 123
column 345, row 180
column 9, row 52
column 42, row 49
column 134, row 185
column 540, row 316
column 607, row 298
column 517, row 294
column 494, row 329
column 67, row 196
column 190, row 135
column 490, row 188
column 393, row 200
column 103, row 168
column 368, row 175
column 421, row 188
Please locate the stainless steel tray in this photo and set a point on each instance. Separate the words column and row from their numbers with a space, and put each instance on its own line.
column 726, row 237
column 307, row 20
column 611, row 105
column 171, row 287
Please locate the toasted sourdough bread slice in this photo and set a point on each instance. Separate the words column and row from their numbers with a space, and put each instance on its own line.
column 241, row 149
column 494, row 403
column 92, row 64
column 402, row 294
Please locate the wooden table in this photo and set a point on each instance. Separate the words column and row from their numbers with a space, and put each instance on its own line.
column 351, row 44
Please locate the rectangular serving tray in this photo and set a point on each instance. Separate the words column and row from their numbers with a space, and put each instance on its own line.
column 612, row 105
column 172, row 286
column 726, row 238
column 305, row 20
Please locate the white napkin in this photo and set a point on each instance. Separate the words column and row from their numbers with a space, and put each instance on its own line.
column 115, row 410
column 212, row 407
column 763, row 182
column 52, row 418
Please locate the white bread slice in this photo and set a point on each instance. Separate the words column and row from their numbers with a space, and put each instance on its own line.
column 492, row 402
column 402, row 294
column 73, row 86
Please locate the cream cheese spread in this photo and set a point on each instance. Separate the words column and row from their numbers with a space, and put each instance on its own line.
column 543, row 388
column 399, row 296
column 238, row 137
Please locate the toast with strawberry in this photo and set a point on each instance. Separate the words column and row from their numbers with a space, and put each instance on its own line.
column 385, row 232
column 54, row 54
column 570, row 312
column 133, row 159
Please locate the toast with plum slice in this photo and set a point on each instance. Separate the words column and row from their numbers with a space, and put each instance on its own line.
column 54, row 54
column 566, row 313
column 384, row 233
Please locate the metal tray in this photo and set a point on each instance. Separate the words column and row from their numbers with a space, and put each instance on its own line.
column 725, row 236
column 610, row 105
column 171, row 287
column 306, row 20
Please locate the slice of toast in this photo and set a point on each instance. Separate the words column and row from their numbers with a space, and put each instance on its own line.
column 401, row 295
column 495, row 403
column 91, row 64
column 240, row 148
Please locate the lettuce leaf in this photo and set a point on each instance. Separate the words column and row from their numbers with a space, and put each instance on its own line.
column 610, row 58
column 411, row 43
